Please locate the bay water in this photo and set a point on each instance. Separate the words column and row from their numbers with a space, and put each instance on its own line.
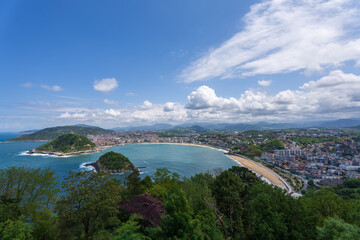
column 182, row 159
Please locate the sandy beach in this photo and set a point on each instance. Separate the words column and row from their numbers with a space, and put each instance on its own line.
column 261, row 170
column 187, row 144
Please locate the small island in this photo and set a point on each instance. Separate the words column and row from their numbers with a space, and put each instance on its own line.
column 67, row 144
column 112, row 162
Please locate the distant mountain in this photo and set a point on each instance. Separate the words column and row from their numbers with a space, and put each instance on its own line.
column 356, row 127
column 54, row 132
column 179, row 131
column 154, row 127
column 340, row 123
column 85, row 125
column 191, row 129
column 241, row 127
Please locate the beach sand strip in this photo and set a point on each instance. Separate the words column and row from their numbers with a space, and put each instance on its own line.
column 259, row 169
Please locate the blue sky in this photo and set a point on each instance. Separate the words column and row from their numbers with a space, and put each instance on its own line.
column 121, row 63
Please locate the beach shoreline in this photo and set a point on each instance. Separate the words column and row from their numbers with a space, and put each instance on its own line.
column 261, row 170
column 185, row 144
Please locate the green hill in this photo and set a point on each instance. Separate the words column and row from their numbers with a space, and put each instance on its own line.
column 113, row 162
column 67, row 143
column 54, row 132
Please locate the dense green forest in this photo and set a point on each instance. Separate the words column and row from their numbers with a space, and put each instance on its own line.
column 54, row 132
column 231, row 204
column 114, row 161
column 68, row 143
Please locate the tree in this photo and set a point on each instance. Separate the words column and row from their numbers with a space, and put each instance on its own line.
column 271, row 214
column 337, row 229
column 325, row 203
column 15, row 230
column 273, row 144
column 130, row 230
column 89, row 204
column 176, row 222
column 352, row 183
column 198, row 194
column 164, row 180
column 164, row 176
column 133, row 184
column 227, row 190
column 146, row 183
column 26, row 192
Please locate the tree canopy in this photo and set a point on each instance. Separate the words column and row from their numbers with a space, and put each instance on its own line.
column 68, row 143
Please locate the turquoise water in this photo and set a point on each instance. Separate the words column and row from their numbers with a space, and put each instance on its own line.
column 184, row 160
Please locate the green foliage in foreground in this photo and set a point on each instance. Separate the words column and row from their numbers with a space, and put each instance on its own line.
column 68, row 143
column 231, row 204
column 115, row 161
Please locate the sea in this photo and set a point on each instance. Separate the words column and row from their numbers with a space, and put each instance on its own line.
column 182, row 159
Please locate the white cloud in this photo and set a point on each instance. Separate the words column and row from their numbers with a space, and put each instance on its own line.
column 110, row 102
column 336, row 95
column 112, row 112
column 205, row 97
column 285, row 36
column 264, row 83
column 27, row 85
column 171, row 106
column 54, row 88
column 75, row 115
column 331, row 95
column 105, row 85
column 147, row 105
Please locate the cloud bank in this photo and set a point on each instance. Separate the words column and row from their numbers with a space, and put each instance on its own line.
column 336, row 95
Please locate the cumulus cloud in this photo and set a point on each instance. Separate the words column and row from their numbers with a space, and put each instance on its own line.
column 205, row 97
column 264, row 83
column 112, row 112
column 54, row 88
column 285, row 36
column 147, row 105
column 171, row 106
column 110, row 102
column 336, row 93
column 105, row 85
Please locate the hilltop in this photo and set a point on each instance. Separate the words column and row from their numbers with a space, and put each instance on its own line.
column 113, row 162
column 54, row 132
column 66, row 144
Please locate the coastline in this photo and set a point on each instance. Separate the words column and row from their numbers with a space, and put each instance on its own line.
column 255, row 167
column 60, row 154
column 186, row 144
column 103, row 148
column 272, row 177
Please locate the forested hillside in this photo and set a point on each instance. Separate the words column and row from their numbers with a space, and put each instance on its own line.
column 231, row 204
column 54, row 132
column 67, row 143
